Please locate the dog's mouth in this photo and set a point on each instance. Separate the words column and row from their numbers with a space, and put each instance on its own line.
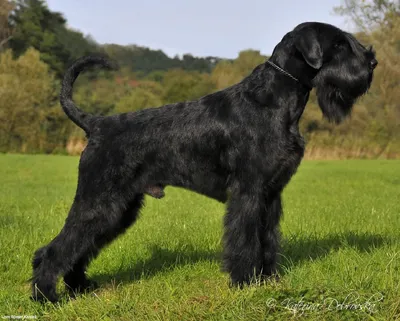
column 344, row 88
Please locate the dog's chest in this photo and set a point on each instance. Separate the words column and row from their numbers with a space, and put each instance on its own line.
column 286, row 157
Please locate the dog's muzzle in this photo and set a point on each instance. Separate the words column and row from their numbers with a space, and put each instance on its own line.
column 373, row 63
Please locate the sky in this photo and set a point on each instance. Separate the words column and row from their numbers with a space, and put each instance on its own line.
column 219, row 28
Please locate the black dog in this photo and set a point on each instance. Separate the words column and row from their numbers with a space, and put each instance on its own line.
column 243, row 140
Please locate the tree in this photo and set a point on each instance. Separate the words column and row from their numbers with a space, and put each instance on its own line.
column 369, row 15
column 145, row 60
column 181, row 85
column 27, row 97
column 76, row 44
column 5, row 30
column 227, row 73
column 36, row 26
column 137, row 99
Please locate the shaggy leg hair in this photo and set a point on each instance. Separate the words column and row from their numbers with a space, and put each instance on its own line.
column 242, row 142
column 85, row 232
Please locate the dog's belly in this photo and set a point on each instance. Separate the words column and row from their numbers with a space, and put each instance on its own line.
column 190, row 166
column 206, row 183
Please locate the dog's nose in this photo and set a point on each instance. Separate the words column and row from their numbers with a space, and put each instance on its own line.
column 373, row 63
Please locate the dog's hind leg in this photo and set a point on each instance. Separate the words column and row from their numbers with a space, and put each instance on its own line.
column 242, row 238
column 75, row 279
column 89, row 226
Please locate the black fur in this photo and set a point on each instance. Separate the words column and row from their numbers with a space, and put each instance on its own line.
column 243, row 140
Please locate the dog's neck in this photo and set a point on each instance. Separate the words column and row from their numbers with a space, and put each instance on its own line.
column 298, row 69
column 285, row 56
column 274, row 89
column 286, row 73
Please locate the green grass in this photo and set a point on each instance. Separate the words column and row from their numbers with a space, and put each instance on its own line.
column 341, row 245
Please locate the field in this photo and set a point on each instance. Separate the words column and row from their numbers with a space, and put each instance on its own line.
column 340, row 256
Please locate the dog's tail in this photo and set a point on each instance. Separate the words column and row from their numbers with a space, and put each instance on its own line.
column 79, row 117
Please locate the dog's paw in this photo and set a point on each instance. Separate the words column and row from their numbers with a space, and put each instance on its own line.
column 85, row 286
column 155, row 191
column 41, row 297
column 270, row 277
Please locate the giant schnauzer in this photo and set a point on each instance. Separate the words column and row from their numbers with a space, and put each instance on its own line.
column 240, row 145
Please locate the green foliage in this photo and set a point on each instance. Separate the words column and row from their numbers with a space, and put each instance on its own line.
column 227, row 73
column 139, row 98
column 5, row 30
column 36, row 26
column 76, row 44
column 28, row 105
column 144, row 60
column 98, row 97
column 183, row 86
column 368, row 15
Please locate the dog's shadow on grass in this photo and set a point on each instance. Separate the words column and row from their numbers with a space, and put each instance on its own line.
column 298, row 249
column 161, row 260
column 295, row 251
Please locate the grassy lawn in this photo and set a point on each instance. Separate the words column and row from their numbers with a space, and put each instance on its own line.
column 340, row 257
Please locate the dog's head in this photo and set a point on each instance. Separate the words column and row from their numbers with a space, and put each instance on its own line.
column 335, row 63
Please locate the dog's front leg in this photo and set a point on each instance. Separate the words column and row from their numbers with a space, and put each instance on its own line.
column 243, row 256
column 270, row 234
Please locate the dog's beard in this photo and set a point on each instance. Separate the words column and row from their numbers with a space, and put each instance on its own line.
column 337, row 93
column 335, row 105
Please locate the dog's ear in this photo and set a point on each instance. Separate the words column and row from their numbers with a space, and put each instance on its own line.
column 307, row 43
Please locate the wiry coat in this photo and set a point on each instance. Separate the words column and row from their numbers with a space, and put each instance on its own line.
column 241, row 144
